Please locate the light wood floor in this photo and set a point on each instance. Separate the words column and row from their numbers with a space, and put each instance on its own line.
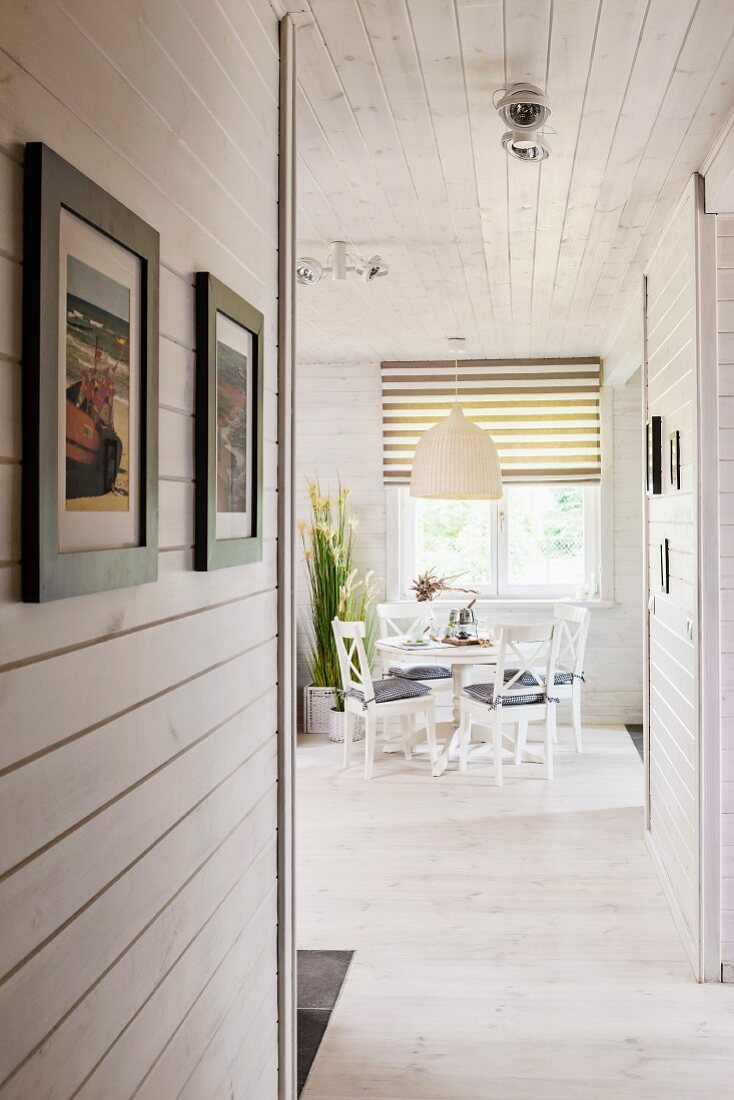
column 511, row 944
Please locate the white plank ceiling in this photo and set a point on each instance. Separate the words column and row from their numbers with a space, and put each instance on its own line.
column 400, row 154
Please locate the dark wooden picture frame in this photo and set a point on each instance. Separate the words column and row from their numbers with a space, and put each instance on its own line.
column 675, row 459
column 665, row 566
column 52, row 186
column 654, row 469
column 212, row 552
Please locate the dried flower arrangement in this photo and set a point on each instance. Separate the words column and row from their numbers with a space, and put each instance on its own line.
column 429, row 584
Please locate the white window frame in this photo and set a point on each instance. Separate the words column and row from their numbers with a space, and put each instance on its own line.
column 401, row 519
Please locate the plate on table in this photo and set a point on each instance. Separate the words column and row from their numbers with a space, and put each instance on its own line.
column 407, row 644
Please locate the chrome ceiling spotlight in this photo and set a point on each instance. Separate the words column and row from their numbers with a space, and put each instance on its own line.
column 526, row 146
column 374, row 268
column 308, row 271
column 523, row 107
column 339, row 263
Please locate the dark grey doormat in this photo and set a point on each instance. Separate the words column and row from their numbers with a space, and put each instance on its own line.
column 321, row 975
column 635, row 733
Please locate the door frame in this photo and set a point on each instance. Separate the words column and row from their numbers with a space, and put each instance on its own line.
column 707, row 963
column 287, row 954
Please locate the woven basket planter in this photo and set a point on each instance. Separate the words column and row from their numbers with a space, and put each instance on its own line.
column 317, row 703
column 336, row 726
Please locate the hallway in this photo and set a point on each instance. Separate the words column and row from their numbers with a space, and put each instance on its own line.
column 511, row 943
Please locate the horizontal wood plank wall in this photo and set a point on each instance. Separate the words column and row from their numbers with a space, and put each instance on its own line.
column 339, row 434
column 673, row 723
column 613, row 689
column 725, row 296
column 339, row 437
column 138, row 744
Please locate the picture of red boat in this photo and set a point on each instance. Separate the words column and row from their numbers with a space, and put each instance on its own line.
column 97, row 392
column 93, row 449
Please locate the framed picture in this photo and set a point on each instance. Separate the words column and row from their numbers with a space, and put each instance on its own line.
column 90, row 386
column 654, row 479
column 229, row 427
column 665, row 566
column 675, row 460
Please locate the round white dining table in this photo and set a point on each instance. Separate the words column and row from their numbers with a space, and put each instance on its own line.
column 460, row 659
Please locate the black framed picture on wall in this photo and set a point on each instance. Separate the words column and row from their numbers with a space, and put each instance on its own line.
column 674, row 440
column 654, row 474
column 229, row 427
column 90, row 386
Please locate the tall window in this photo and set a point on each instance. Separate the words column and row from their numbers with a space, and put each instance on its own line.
column 540, row 539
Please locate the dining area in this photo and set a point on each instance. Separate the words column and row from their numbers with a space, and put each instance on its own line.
column 494, row 681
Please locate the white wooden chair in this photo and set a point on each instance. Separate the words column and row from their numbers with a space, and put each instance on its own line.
column 519, row 694
column 569, row 676
column 381, row 699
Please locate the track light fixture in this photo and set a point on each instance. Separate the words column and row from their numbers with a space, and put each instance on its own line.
column 339, row 263
column 525, row 146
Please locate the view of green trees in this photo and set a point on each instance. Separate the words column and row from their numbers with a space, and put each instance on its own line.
column 454, row 536
column 545, row 536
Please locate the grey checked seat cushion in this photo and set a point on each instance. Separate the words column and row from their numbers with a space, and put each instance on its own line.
column 392, row 689
column 484, row 693
column 527, row 680
column 421, row 672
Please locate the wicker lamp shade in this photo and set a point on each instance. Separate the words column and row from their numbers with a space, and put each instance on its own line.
column 456, row 460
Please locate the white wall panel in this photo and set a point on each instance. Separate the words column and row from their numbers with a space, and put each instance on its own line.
column 725, row 326
column 676, row 391
column 138, row 728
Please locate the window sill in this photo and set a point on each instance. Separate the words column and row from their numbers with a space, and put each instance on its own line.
column 511, row 602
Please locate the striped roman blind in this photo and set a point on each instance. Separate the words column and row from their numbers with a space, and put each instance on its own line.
column 543, row 414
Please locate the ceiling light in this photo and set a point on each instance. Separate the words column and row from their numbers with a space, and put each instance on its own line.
column 526, row 146
column 308, row 270
column 374, row 268
column 523, row 107
column 456, row 459
column 338, row 264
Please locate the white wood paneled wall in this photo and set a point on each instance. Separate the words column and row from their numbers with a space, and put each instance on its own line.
column 673, row 736
column 339, row 437
column 725, row 296
column 339, row 434
column 138, row 744
column 613, row 689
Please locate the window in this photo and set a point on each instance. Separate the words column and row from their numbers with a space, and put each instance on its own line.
column 540, row 539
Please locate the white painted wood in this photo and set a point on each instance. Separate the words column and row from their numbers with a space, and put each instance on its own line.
column 360, row 701
column 339, row 438
column 522, row 652
column 401, row 155
column 682, row 716
column 724, row 295
column 287, row 1054
column 560, row 978
column 139, row 773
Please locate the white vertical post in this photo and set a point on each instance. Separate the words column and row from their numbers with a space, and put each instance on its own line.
column 287, row 1000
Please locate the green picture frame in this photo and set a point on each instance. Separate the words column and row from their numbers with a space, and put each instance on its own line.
column 229, row 427
column 99, row 535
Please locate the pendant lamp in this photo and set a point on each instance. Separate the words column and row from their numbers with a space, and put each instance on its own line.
column 456, row 460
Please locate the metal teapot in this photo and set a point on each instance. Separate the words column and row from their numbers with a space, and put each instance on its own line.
column 465, row 622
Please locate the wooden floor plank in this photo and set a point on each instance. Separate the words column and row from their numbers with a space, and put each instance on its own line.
column 511, row 942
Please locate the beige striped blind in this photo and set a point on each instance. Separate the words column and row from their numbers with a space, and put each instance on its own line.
column 543, row 414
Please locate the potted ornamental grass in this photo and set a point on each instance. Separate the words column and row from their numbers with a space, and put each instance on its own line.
column 336, row 591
